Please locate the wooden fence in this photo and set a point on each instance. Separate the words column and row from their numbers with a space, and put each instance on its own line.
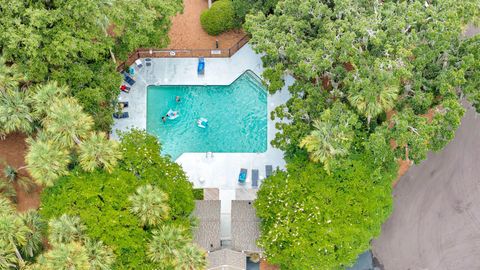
column 172, row 53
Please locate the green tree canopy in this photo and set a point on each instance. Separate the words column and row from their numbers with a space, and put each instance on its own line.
column 101, row 201
column 66, row 123
column 373, row 56
column 243, row 7
column 72, row 255
column 20, row 235
column 46, row 161
column 66, row 135
column 73, row 42
column 150, row 205
column 15, row 113
column 332, row 136
column 401, row 67
column 312, row 219
column 98, row 151
column 173, row 248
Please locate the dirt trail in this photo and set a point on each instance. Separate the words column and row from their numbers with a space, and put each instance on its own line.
column 187, row 32
column 12, row 150
column 435, row 224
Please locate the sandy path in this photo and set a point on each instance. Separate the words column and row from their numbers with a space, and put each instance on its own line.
column 12, row 151
column 187, row 33
column 436, row 220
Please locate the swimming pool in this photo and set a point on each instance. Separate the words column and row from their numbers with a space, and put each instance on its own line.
column 236, row 114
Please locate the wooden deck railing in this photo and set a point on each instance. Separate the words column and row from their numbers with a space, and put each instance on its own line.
column 171, row 53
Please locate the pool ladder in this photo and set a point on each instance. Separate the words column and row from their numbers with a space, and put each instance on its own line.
column 208, row 155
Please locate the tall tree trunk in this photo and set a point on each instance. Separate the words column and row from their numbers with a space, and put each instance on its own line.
column 77, row 140
column 19, row 256
column 113, row 56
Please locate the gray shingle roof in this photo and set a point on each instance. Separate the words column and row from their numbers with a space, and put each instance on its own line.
column 207, row 234
column 226, row 259
column 245, row 226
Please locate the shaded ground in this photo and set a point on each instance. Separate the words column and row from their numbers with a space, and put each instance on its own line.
column 436, row 218
column 471, row 31
column 187, row 33
column 264, row 265
column 12, row 150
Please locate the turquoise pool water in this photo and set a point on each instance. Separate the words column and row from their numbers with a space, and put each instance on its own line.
column 236, row 114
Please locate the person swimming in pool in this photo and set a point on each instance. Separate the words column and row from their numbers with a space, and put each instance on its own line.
column 164, row 119
column 172, row 114
column 177, row 98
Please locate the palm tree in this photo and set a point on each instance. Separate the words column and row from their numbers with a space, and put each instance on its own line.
column 324, row 143
column 44, row 95
column 10, row 78
column 13, row 232
column 64, row 256
column 100, row 256
column 7, row 190
column 191, row 257
column 97, row 150
column 8, row 260
column 65, row 229
column 372, row 100
column 165, row 244
column 7, row 251
column 150, row 205
column 46, row 161
column 32, row 220
column 6, row 206
column 66, row 123
column 15, row 114
column 332, row 135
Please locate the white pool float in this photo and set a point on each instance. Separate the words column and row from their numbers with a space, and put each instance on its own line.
column 172, row 114
column 202, row 122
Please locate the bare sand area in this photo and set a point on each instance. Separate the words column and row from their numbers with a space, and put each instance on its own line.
column 12, row 151
column 187, row 32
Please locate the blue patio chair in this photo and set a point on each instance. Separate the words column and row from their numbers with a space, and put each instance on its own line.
column 268, row 170
column 254, row 178
column 128, row 79
column 120, row 115
column 242, row 177
column 201, row 66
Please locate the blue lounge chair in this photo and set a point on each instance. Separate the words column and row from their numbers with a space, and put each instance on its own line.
column 201, row 66
column 120, row 115
column 268, row 170
column 242, row 177
column 128, row 79
column 254, row 178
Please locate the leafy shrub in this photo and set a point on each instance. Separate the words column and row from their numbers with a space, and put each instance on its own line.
column 198, row 193
column 219, row 18
column 243, row 7
column 421, row 102
column 323, row 220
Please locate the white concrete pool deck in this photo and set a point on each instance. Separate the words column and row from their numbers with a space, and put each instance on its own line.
column 219, row 170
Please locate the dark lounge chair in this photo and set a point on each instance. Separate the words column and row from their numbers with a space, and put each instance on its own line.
column 120, row 115
column 242, row 177
column 201, row 66
column 124, row 104
column 128, row 79
column 254, row 178
column 268, row 170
